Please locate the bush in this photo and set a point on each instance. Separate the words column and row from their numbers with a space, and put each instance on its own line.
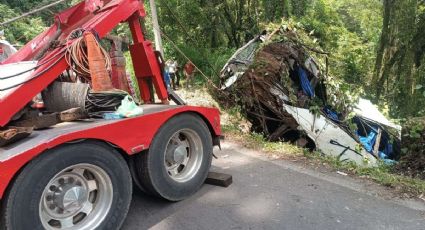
column 412, row 162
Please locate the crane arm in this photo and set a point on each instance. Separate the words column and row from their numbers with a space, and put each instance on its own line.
column 99, row 17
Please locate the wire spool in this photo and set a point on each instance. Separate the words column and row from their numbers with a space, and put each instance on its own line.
column 98, row 103
column 61, row 96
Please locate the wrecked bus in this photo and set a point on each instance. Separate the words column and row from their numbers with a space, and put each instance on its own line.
column 284, row 93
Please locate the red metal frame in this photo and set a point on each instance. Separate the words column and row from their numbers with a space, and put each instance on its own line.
column 100, row 22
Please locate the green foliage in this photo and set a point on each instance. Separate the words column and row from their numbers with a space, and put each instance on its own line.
column 416, row 130
column 343, row 28
column 412, row 161
column 21, row 31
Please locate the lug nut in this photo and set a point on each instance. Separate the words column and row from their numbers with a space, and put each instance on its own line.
column 53, row 188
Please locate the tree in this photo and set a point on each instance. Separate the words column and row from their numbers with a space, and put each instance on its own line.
column 399, row 60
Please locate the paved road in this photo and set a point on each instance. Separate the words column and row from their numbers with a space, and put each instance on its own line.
column 276, row 194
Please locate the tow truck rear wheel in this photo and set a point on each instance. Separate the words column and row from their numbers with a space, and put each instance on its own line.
column 81, row 186
column 178, row 160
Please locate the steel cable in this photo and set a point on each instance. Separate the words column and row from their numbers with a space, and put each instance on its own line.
column 76, row 54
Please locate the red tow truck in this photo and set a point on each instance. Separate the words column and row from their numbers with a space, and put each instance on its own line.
column 79, row 175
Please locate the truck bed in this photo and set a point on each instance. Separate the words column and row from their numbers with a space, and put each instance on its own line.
column 44, row 136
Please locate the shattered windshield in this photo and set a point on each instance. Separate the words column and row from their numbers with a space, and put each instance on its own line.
column 239, row 62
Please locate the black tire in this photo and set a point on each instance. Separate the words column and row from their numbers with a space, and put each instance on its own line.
column 20, row 210
column 152, row 172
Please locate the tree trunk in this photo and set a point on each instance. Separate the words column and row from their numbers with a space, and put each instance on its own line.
column 396, row 54
column 383, row 44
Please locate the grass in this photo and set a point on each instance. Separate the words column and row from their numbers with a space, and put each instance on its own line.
column 258, row 142
column 382, row 174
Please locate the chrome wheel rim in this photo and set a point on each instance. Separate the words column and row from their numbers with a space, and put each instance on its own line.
column 79, row 197
column 183, row 155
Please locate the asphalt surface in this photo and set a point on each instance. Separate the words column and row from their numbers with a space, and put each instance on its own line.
column 277, row 194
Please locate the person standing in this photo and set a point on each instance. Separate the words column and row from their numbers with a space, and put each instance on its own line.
column 167, row 79
column 172, row 70
column 189, row 72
